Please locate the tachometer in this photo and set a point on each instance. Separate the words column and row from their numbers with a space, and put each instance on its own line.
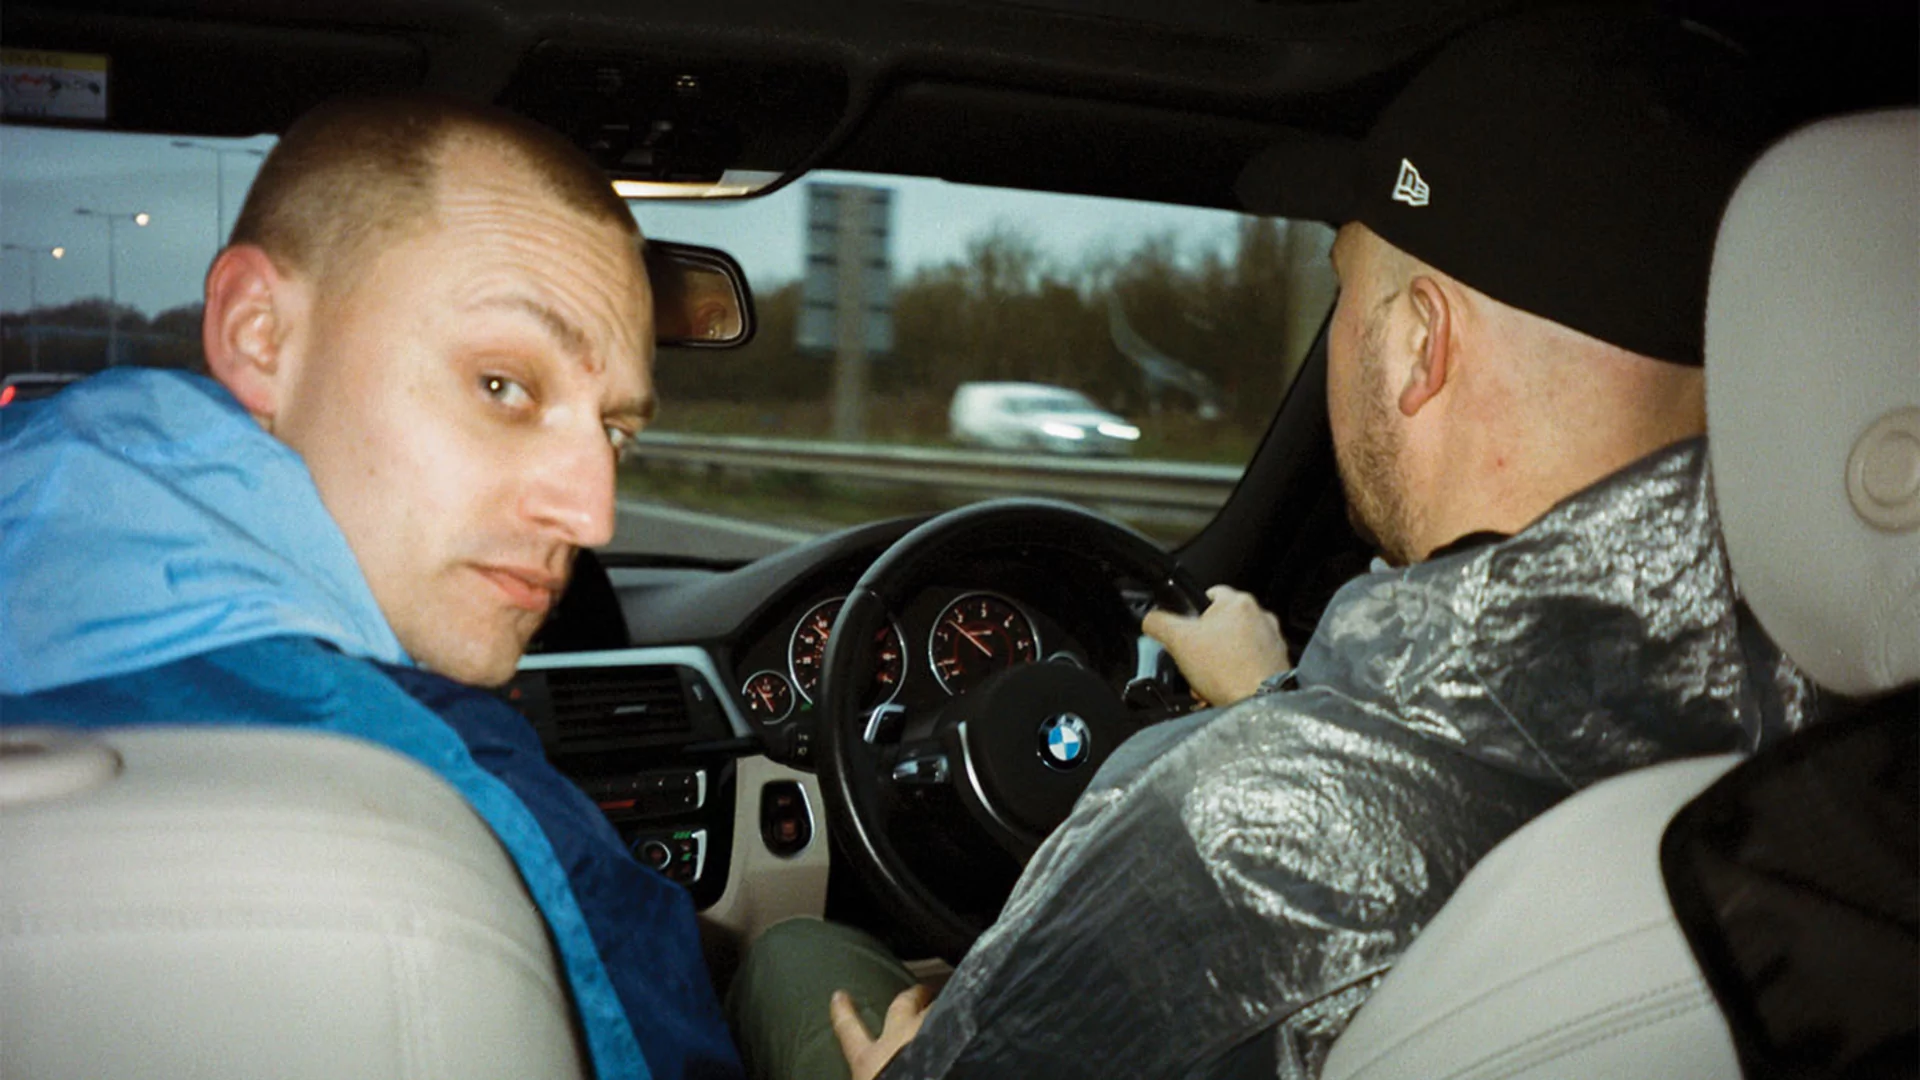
column 977, row 635
column 808, row 649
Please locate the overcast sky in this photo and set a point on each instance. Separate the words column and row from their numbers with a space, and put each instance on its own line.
column 45, row 174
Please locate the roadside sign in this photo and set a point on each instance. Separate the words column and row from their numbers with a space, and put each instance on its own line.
column 846, row 298
column 848, row 229
column 41, row 85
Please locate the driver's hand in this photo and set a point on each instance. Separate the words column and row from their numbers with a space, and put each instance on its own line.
column 866, row 1055
column 1226, row 651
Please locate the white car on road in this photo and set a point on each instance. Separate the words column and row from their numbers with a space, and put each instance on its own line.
column 1021, row 416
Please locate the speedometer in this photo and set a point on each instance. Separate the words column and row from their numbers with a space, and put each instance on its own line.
column 977, row 635
column 807, row 652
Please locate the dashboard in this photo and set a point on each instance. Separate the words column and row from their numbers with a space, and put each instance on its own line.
column 683, row 700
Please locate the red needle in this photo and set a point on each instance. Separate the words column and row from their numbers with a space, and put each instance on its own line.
column 970, row 637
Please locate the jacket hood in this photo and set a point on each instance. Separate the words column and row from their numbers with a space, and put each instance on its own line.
column 145, row 517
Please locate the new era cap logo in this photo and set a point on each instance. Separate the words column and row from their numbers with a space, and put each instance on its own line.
column 1408, row 187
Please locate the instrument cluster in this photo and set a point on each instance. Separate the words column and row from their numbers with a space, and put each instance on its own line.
column 945, row 643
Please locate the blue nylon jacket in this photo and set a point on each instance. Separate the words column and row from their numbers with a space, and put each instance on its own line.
column 163, row 558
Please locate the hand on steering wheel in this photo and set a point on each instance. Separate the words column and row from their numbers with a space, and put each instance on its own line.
column 1226, row 651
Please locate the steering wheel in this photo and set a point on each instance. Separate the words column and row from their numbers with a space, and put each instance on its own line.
column 1017, row 750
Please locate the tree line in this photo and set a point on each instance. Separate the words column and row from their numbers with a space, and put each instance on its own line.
column 73, row 337
column 1241, row 318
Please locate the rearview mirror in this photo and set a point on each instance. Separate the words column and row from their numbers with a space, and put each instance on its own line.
column 700, row 297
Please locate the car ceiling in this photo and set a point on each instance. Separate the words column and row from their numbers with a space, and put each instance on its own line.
column 1137, row 98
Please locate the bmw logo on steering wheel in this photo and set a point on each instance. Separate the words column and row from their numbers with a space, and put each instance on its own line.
column 1065, row 741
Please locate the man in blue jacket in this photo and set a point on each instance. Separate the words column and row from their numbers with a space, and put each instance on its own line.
column 430, row 338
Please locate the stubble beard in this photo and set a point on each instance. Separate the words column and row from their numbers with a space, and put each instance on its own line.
column 1370, row 467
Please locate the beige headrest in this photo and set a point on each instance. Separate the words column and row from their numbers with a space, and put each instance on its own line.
column 1813, row 396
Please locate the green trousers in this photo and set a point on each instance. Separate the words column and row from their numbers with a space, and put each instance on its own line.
column 778, row 1002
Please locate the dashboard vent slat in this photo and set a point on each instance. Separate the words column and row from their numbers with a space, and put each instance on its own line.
column 605, row 708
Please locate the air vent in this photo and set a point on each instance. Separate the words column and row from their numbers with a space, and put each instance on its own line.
column 597, row 709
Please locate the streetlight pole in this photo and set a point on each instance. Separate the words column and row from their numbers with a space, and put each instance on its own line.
column 112, row 218
column 220, row 155
column 33, row 296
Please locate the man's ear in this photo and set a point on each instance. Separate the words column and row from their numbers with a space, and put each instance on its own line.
column 1431, row 344
column 252, row 309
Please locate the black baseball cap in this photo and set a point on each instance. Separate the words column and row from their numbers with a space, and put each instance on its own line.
column 1572, row 163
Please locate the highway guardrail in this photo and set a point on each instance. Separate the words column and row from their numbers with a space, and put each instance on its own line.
column 1121, row 482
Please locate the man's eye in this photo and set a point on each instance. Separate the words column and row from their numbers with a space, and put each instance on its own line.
column 621, row 438
column 506, row 391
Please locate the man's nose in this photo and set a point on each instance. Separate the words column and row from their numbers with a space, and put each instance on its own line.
column 571, row 493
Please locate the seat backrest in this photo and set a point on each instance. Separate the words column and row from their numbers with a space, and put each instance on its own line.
column 201, row 902
column 1813, row 397
column 1560, row 954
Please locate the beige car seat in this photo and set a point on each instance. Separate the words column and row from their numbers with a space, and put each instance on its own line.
column 227, row 902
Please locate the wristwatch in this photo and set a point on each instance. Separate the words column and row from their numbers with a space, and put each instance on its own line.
column 1273, row 684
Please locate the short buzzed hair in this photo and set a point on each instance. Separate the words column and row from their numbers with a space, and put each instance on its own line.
column 356, row 174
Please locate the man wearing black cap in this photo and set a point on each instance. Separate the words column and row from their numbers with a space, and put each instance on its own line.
column 1523, row 270
column 1516, row 403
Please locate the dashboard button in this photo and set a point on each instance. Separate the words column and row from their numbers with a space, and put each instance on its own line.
column 786, row 823
column 654, row 854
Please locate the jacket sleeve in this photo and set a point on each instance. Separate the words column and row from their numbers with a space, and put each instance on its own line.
column 1258, row 873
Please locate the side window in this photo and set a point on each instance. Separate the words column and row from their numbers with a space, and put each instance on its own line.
column 108, row 237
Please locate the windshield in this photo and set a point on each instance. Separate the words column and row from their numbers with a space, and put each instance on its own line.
column 920, row 344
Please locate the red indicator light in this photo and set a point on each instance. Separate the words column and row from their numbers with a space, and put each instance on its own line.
column 618, row 804
column 6, row 395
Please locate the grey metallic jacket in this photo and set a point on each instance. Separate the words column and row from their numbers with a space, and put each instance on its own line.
column 1251, row 873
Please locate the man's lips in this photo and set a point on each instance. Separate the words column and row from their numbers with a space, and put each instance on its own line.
column 525, row 587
